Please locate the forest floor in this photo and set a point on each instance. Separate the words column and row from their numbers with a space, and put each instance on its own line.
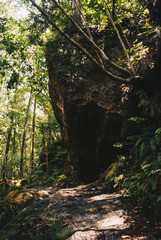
column 80, row 213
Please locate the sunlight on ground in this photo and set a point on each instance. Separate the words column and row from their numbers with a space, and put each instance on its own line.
column 101, row 213
column 103, row 197
column 114, row 220
column 68, row 192
column 89, row 234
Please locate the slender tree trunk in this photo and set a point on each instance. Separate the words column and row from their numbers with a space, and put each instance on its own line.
column 13, row 151
column 88, row 30
column 24, row 137
column 43, row 139
column 113, row 8
column 32, row 139
column 49, row 128
column 119, row 36
column 47, row 154
column 3, row 173
column 49, row 136
column 76, row 12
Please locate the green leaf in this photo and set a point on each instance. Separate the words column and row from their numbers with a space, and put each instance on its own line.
column 159, row 198
column 154, row 185
column 158, row 131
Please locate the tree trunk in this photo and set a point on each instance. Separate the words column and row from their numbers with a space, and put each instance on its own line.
column 113, row 8
column 47, row 154
column 23, row 138
column 76, row 12
column 3, row 173
column 32, row 139
column 13, row 151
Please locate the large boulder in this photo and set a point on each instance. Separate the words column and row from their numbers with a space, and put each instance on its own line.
column 18, row 197
column 88, row 107
column 93, row 110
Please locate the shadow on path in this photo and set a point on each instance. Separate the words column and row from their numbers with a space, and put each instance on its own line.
column 80, row 213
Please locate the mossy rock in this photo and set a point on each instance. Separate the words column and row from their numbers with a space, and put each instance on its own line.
column 21, row 183
column 18, row 197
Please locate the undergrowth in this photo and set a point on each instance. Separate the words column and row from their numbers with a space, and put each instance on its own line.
column 137, row 170
column 137, row 173
column 55, row 174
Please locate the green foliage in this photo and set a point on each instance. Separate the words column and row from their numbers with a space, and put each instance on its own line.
column 13, row 188
column 138, row 173
column 23, row 67
column 158, row 131
column 5, row 212
column 57, row 157
column 108, row 177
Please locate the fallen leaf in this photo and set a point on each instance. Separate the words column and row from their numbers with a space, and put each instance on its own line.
column 125, row 237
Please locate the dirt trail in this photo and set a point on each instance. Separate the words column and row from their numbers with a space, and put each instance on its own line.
column 80, row 213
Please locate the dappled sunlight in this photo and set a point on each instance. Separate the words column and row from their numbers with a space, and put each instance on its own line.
column 74, row 191
column 83, row 212
column 88, row 234
column 103, row 197
column 90, row 213
column 68, row 192
column 114, row 220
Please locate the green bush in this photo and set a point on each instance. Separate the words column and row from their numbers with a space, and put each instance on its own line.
column 138, row 173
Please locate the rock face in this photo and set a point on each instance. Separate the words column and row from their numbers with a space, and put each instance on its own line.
column 88, row 108
column 92, row 110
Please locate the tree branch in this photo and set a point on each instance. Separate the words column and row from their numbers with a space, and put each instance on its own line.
column 101, row 52
column 89, row 32
column 78, row 46
column 119, row 36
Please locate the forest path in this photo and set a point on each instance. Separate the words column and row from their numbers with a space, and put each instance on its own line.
column 79, row 213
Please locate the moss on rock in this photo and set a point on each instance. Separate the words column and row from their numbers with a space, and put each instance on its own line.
column 22, row 183
column 18, row 197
